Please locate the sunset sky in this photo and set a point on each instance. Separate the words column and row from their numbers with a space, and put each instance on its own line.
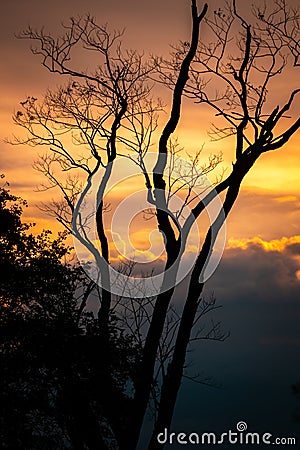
column 258, row 281
column 149, row 28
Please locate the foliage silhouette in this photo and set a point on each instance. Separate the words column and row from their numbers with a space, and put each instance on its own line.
column 53, row 381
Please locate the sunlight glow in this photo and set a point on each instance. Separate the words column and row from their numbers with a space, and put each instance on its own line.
column 273, row 245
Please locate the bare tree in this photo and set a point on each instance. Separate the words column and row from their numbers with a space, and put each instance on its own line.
column 109, row 113
column 242, row 76
column 79, row 121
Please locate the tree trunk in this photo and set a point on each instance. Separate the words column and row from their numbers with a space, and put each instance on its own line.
column 171, row 383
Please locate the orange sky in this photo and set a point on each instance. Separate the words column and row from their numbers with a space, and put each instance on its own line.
column 269, row 206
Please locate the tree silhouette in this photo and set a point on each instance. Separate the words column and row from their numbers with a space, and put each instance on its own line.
column 52, row 381
column 109, row 113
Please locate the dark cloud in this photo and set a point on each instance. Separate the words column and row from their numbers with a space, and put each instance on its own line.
column 259, row 293
column 257, row 274
column 293, row 248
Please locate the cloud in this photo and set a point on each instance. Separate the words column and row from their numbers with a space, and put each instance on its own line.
column 258, row 270
column 286, row 198
column 290, row 244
